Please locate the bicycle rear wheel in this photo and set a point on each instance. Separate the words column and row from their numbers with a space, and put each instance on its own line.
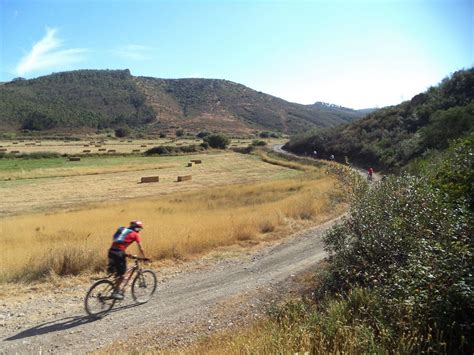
column 144, row 286
column 99, row 299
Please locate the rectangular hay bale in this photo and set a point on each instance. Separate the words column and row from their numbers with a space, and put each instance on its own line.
column 74, row 159
column 146, row 179
column 184, row 178
column 196, row 161
column 86, row 151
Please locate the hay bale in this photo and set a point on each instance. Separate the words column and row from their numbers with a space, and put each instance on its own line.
column 3, row 149
column 184, row 178
column 86, row 145
column 98, row 146
column 189, row 165
column 136, row 151
column 74, row 159
column 147, row 179
column 111, row 151
column 143, row 145
column 196, row 161
column 102, row 150
column 15, row 142
column 86, row 151
column 15, row 151
column 130, row 141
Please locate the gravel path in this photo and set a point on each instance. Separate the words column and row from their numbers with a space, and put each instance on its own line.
column 212, row 297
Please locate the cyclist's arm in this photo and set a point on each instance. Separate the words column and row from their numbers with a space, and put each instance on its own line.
column 141, row 249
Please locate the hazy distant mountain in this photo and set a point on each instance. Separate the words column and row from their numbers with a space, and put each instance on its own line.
column 96, row 99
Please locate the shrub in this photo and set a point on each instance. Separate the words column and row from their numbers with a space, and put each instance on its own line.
column 170, row 150
column 122, row 132
column 258, row 143
column 217, row 141
column 203, row 134
column 412, row 247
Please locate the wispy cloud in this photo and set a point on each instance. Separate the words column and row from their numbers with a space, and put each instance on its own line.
column 133, row 51
column 48, row 53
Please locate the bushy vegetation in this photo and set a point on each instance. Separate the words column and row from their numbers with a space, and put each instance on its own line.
column 391, row 137
column 84, row 98
column 217, row 141
column 413, row 251
column 172, row 150
column 33, row 155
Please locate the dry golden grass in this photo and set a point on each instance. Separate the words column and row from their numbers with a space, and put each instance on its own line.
column 179, row 225
column 112, row 179
column 119, row 145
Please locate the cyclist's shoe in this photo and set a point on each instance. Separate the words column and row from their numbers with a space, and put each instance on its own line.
column 117, row 296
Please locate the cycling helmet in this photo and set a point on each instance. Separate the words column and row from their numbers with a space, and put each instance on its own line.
column 136, row 225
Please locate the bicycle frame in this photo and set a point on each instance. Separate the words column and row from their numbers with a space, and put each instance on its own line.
column 128, row 274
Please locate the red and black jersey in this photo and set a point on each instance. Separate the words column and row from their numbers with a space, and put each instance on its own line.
column 124, row 237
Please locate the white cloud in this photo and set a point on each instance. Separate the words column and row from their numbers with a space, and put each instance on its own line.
column 133, row 52
column 48, row 53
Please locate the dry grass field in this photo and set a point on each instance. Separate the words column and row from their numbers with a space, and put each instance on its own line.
column 30, row 187
column 232, row 199
column 107, row 146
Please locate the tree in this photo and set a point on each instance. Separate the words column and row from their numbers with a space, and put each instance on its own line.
column 217, row 141
column 122, row 132
column 38, row 121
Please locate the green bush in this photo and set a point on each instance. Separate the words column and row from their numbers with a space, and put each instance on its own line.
column 217, row 141
column 407, row 243
column 171, row 150
column 258, row 143
column 122, row 132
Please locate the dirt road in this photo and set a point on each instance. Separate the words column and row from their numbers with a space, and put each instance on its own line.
column 186, row 304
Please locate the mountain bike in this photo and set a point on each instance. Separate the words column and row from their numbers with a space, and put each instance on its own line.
column 99, row 300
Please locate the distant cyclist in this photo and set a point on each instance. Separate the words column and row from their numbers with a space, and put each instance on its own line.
column 122, row 238
column 370, row 173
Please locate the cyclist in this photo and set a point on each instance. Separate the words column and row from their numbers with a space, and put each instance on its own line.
column 122, row 238
column 370, row 172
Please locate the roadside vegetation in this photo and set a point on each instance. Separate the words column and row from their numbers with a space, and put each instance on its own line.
column 179, row 226
column 399, row 276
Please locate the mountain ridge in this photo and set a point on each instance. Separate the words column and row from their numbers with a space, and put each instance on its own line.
column 101, row 99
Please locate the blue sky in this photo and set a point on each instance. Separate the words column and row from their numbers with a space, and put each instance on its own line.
column 353, row 53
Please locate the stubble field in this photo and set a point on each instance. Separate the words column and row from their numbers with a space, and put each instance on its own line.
column 58, row 218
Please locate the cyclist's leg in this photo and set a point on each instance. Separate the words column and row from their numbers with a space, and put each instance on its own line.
column 120, row 267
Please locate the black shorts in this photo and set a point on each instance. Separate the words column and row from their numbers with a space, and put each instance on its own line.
column 117, row 262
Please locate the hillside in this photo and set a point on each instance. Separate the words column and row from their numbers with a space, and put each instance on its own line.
column 391, row 137
column 98, row 99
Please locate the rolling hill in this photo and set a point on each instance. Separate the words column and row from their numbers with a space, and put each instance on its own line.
column 87, row 100
column 391, row 137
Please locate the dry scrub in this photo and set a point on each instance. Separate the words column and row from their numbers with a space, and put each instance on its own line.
column 178, row 226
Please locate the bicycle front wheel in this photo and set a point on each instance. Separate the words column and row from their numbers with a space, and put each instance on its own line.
column 99, row 299
column 144, row 286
